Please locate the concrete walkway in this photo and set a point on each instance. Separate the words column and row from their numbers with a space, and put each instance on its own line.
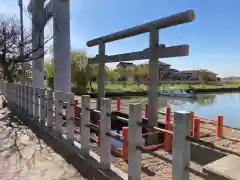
column 24, row 156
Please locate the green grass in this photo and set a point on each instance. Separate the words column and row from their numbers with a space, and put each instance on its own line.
column 134, row 87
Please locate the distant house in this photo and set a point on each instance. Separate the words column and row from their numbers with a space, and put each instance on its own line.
column 125, row 65
column 187, row 75
column 163, row 72
column 123, row 69
column 202, row 75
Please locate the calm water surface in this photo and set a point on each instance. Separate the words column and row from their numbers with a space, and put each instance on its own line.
column 207, row 106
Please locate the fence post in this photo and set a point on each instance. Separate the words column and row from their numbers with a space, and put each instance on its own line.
column 23, row 98
column 49, row 108
column 20, row 98
column 1, row 85
column 70, row 118
column 105, row 127
column 27, row 100
column 37, row 104
column 134, row 141
column 9, row 89
column 5, row 89
column 16, row 96
column 13, row 95
column 219, row 130
column 85, row 117
column 58, row 112
column 9, row 94
column 42, row 106
column 31, row 101
column 181, row 147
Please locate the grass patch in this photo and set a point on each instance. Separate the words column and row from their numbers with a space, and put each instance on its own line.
column 143, row 87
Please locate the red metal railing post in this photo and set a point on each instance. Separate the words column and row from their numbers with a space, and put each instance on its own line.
column 125, row 144
column 76, row 108
column 168, row 126
column 118, row 103
column 196, row 128
column 219, row 126
column 146, row 111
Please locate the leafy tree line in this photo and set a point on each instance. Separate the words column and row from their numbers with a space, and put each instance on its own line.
column 11, row 56
column 84, row 74
column 80, row 72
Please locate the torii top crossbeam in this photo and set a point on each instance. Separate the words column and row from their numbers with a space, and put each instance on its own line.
column 180, row 18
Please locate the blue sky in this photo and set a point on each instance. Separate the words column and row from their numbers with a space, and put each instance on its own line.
column 213, row 37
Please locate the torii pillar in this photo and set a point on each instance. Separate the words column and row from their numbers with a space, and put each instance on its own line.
column 37, row 10
column 60, row 11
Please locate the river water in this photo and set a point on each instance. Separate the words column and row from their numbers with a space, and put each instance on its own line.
column 207, row 106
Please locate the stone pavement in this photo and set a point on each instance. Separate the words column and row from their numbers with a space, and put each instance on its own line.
column 24, row 156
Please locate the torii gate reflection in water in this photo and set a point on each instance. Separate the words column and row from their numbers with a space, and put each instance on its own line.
column 59, row 10
column 152, row 53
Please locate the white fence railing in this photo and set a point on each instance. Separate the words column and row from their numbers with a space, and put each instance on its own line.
column 39, row 108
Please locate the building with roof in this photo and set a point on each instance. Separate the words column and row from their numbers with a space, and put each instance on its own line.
column 128, row 75
column 125, row 65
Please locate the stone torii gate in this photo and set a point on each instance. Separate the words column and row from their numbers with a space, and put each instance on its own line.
column 59, row 10
column 153, row 53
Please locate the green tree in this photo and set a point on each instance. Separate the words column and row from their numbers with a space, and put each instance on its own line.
column 113, row 75
column 11, row 57
column 80, row 72
column 49, row 73
column 205, row 75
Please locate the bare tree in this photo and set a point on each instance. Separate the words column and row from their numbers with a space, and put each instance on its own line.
column 10, row 38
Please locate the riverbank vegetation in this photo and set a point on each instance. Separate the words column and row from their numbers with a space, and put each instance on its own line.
column 142, row 87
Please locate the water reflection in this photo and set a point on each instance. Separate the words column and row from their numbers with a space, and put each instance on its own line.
column 205, row 105
column 207, row 99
